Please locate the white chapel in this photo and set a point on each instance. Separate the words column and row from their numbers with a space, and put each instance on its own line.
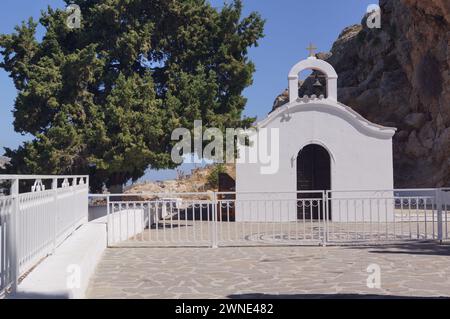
column 323, row 145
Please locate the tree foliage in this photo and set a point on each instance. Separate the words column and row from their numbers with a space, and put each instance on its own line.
column 108, row 94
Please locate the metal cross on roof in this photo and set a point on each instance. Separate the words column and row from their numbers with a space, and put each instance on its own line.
column 311, row 49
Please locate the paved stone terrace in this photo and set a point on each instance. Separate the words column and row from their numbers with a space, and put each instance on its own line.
column 420, row 270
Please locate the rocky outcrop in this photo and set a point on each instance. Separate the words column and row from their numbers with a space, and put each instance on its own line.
column 399, row 76
column 3, row 161
column 196, row 181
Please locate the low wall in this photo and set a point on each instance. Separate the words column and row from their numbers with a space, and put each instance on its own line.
column 126, row 223
column 96, row 212
column 66, row 273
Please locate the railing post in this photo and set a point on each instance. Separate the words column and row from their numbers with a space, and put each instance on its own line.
column 14, row 235
column 438, row 199
column 325, row 217
column 55, row 211
column 214, row 222
column 87, row 197
column 108, row 221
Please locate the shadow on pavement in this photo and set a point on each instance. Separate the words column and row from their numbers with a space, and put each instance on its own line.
column 433, row 249
column 325, row 296
column 31, row 295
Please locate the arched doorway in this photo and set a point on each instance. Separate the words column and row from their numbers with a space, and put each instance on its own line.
column 313, row 173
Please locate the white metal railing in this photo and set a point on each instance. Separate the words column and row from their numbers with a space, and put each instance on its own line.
column 285, row 218
column 35, row 217
column 392, row 215
column 444, row 202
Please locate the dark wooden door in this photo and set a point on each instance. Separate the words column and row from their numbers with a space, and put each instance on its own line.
column 313, row 173
column 227, row 202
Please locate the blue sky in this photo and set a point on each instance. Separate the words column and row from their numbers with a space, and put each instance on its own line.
column 290, row 26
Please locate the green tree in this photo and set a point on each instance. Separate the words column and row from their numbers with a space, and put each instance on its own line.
column 108, row 94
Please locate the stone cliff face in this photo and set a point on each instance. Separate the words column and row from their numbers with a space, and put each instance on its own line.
column 399, row 76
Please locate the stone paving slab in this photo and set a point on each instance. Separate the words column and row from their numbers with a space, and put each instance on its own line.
column 419, row 270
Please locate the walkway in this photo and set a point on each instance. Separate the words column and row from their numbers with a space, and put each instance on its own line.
column 421, row 270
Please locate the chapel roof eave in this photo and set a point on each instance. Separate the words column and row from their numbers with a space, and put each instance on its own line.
column 327, row 105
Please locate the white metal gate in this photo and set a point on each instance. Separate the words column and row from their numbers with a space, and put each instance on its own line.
column 216, row 219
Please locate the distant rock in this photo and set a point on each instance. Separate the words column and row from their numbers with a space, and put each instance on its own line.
column 195, row 182
column 282, row 98
column 3, row 161
column 399, row 76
